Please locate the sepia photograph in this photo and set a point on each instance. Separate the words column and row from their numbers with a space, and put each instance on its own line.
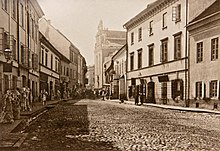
column 109, row 75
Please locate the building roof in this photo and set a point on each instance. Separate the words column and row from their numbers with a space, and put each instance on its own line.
column 115, row 34
column 214, row 8
column 123, row 48
column 117, row 41
column 151, row 9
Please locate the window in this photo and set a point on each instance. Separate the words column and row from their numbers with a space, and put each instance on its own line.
column 214, row 49
column 198, row 89
column 177, row 89
column 67, row 72
column 176, row 13
column 22, row 14
column 35, row 61
column 42, row 55
column 213, row 89
column 151, row 55
column 164, row 51
column 132, row 38
column 177, row 47
column 71, row 74
column 33, row 30
column 6, row 41
column 14, row 9
column 199, row 52
column 132, row 61
column 22, row 54
column 151, row 28
column 139, row 34
column 14, row 49
column 46, row 57
column 5, row 5
column 51, row 61
column 164, row 21
column 139, row 58
column 57, row 65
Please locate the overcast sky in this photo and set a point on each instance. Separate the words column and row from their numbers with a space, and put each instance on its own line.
column 78, row 19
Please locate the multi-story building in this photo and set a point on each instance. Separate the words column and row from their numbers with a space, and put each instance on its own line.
column 119, row 77
column 72, row 64
column 158, row 34
column 50, row 60
column 203, row 55
column 90, row 75
column 19, row 35
column 107, row 42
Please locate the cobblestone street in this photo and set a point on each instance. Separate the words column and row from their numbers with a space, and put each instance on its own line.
column 107, row 125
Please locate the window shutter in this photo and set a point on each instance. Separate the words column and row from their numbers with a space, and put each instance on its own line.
column 174, row 13
column 173, row 89
column 181, row 89
column 196, row 89
column 210, row 90
column 203, row 89
column 218, row 84
column 161, row 53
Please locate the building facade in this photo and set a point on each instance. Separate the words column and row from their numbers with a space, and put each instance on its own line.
column 73, row 62
column 19, row 34
column 204, row 55
column 49, row 68
column 119, row 75
column 90, row 75
column 107, row 42
column 158, row 34
column 157, row 55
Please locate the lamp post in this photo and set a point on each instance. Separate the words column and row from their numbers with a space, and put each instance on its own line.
column 8, row 54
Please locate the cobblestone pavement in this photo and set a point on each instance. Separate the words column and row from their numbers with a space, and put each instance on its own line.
column 104, row 125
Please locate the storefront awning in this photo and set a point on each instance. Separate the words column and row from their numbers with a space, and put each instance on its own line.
column 163, row 78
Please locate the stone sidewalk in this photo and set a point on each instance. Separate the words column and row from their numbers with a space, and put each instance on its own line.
column 187, row 109
column 14, row 140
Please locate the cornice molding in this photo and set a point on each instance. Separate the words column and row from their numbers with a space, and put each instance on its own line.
column 149, row 12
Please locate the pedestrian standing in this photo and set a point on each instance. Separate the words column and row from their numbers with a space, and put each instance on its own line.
column 103, row 95
column 44, row 97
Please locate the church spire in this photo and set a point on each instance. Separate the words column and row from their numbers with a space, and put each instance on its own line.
column 100, row 27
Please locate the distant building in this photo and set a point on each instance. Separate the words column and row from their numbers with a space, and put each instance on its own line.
column 204, row 51
column 72, row 65
column 90, row 75
column 119, row 77
column 107, row 42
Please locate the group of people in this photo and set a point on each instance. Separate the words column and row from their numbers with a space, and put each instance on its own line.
column 15, row 101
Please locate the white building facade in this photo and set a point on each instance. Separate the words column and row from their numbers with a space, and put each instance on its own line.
column 156, row 39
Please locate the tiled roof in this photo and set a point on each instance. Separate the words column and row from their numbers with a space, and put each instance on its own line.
column 115, row 34
column 117, row 41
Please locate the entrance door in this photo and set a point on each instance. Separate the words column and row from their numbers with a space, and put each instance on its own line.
column 164, row 92
column 151, row 92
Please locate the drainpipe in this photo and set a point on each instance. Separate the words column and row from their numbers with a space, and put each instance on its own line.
column 187, row 59
column 126, row 70
column 18, row 39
